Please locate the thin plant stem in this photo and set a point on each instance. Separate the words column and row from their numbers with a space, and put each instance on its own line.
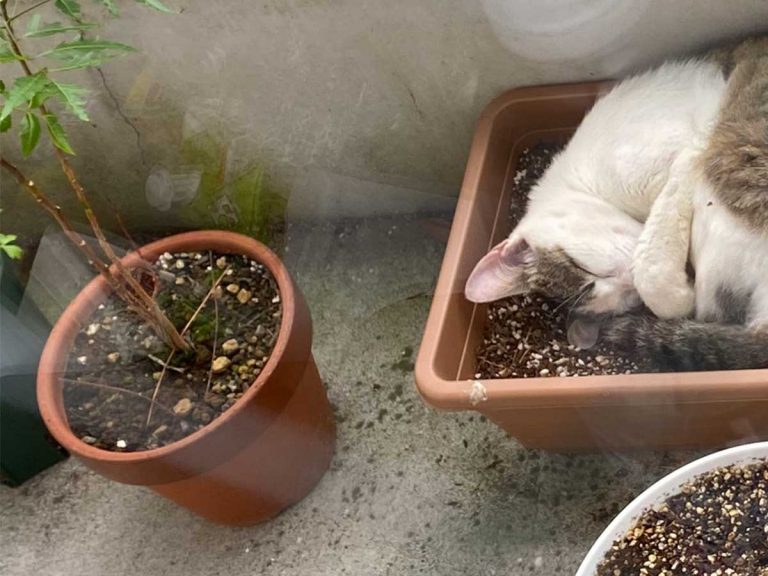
column 119, row 390
column 215, row 331
column 172, row 353
column 132, row 291
column 20, row 14
column 157, row 360
column 205, row 300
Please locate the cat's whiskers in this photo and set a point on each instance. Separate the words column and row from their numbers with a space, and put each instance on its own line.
column 576, row 296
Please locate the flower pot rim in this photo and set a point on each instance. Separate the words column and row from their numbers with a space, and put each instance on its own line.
column 660, row 490
column 48, row 382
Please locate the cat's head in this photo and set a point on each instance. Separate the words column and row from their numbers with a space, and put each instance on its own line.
column 574, row 249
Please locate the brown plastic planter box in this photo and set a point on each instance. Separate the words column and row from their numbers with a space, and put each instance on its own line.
column 600, row 412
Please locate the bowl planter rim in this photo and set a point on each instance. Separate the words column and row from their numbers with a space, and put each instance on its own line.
column 451, row 393
column 96, row 291
column 659, row 491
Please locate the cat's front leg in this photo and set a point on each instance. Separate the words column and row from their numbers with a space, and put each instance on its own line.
column 660, row 259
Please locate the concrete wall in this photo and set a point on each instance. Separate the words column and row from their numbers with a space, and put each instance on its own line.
column 377, row 91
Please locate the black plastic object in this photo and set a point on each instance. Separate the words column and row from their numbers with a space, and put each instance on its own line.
column 26, row 448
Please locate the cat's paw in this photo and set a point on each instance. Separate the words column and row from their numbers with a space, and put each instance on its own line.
column 667, row 294
column 673, row 302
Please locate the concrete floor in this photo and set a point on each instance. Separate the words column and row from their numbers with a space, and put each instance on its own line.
column 410, row 491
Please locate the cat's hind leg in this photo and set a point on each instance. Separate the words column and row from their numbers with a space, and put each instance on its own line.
column 661, row 256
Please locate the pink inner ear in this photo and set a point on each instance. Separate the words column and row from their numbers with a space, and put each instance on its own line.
column 499, row 273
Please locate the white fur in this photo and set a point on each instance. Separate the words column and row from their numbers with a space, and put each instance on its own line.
column 596, row 194
column 727, row 253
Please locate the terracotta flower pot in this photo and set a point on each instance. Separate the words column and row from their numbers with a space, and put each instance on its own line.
column 628, row 411
column 262, row 455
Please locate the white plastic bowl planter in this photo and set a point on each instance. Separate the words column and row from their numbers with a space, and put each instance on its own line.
column 667, row 486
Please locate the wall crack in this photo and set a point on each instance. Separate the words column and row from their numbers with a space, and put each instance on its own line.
column 123, row 115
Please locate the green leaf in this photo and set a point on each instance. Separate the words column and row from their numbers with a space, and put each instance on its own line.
column 58, row 28
column 71, row 8
column 6, row 54
column 111, row 6
column 2, row 86
column 5, row 124
column 29, row 133
column 65, row 49
column 40, row 98
column 85, row 60
column 57, row 134
column 73, row 97
column 33, row 24
column 157, row 5
column 14, row 252
column 24, row 89
column 7, row 245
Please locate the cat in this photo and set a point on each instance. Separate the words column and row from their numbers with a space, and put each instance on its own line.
column 584, row 220
column 729, row 240
column 608, row 226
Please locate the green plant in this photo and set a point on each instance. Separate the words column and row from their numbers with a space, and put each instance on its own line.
column 32, row 101
column 8, row 245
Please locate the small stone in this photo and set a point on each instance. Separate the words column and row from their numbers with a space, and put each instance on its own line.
column 214, row 400
column 183, row 407
column 244, row 296
column 82, row 360
column 157, row 375
column 113, row 357
column 89, row 440
column 204, row 417
column 180, row 264
column 180, row 281
column 544, row 372
column 92, row 329
column 276, row 299
column 233, row 288
column 220, row 364
column 221, row 262
column 121, row 444
column 230, row 346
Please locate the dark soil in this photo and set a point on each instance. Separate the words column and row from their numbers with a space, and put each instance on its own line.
column 525, row 336
column 716, row 525
column 117, row 360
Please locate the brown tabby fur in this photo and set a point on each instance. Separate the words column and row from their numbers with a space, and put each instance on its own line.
column 736, row 159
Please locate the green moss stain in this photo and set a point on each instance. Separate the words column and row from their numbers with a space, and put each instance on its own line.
column 245, row 201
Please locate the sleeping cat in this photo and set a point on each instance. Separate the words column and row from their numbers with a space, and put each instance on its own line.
column 658, row 148
column 729, row 243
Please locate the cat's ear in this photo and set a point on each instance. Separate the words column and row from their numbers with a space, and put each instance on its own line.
column 500, row 273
